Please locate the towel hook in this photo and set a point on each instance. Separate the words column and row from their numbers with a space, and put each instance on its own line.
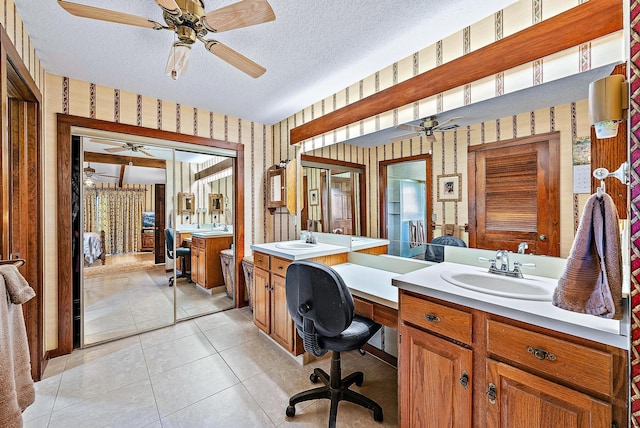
column 622, row 173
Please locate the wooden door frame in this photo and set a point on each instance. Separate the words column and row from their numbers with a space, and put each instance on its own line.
column 553, row 139
column 16, row 82
column 345, row 164
column 382, row 192
column 65, row 123
column 160, row 221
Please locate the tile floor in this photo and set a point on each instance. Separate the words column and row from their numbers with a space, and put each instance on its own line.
column 213, row 371
column 124, row 303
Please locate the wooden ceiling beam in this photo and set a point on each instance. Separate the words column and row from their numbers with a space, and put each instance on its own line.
column 578, row 25
column 214, row 169
column 124, row 160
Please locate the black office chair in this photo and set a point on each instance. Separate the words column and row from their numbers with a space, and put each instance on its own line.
column 322, row 308
column 435, row 249
column 182, row 252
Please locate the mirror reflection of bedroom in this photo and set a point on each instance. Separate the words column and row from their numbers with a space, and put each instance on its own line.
column 158, row 233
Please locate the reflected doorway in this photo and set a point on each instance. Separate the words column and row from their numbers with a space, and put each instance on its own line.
column 406, row 205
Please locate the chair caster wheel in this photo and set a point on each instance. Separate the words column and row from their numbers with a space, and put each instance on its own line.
column 359, row 380
column 377, row 416
column 314, row 378
column 291, row 411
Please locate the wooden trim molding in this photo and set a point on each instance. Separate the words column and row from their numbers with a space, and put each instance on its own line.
column 585, row 21
column 65, row 123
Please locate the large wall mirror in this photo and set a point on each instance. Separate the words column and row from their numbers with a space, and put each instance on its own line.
column 554, row 114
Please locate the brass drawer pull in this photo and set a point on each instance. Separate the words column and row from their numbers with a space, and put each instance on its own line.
column 492, row 394
column 432, row 318
column 279, row 267
column 541, row 354
column 464, row 380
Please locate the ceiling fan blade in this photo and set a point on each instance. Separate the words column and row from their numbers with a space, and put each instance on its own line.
column 100, row 174
column 170, row 6
column 112, row 143
column 405, row 137
column 91, row 12
column 116, row 149
column 238, row 15
column 146, row 153
column 234, row 58
column 442, row 125
column 407, row 127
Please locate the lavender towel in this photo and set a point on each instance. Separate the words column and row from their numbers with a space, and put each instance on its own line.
column 592, row 280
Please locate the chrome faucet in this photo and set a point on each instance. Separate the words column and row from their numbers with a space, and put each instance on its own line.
column 311, row 239
column 522, row 247
column 503, row 257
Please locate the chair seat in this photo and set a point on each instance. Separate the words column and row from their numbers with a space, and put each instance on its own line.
column 354, row 337
column 183, row 251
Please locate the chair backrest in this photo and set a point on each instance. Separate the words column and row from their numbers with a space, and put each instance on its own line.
column 435, row 249
column 318, row 301
column 168, row 234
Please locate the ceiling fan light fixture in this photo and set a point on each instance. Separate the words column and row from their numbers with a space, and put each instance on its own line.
column 178, row 60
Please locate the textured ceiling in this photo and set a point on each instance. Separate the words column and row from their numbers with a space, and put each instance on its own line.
column 312, row 50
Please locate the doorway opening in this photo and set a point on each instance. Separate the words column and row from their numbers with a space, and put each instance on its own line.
column 406, row 205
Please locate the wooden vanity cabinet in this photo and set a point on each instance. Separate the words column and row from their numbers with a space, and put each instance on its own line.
column 516, row 374
column 206, row 268
column 270, row 312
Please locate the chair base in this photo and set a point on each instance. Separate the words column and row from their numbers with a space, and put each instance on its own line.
column 335, row 389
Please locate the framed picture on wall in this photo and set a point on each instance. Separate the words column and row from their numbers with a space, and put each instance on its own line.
column 313, row 197
column 449, row 187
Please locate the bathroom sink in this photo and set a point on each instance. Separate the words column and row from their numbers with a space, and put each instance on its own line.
column 514, row 288
column 295, row 245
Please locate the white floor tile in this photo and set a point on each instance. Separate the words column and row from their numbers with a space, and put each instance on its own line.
column 190, row 383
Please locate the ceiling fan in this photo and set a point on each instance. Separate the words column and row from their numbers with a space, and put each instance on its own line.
column 124, row 147
column 190, row 22
column 427, row 126
column 91, row 176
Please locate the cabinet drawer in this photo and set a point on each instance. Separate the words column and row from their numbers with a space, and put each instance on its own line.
column 362, row 307
column 197, row 242
column 279, row 266
column 440, row 319
column 261, row 260
column 563, row 360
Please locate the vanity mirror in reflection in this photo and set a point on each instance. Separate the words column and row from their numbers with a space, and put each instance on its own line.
column 332, row 193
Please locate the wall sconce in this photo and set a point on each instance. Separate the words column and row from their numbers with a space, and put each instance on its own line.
column 608, row 102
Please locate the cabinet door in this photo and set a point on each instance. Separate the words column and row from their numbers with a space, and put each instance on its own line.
column 522, row 399
column 261, row 300
column 435, row 381
column 281, row 322
column 202, row 267
column 194, row 262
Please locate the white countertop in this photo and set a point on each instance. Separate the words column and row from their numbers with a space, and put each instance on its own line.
column 369, row 283
column 211, row 234
column 322, row 248
column 274, row 249
column 362, row 243
column 427, row 281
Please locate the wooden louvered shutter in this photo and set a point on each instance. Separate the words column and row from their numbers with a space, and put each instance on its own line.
column 513, row 197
